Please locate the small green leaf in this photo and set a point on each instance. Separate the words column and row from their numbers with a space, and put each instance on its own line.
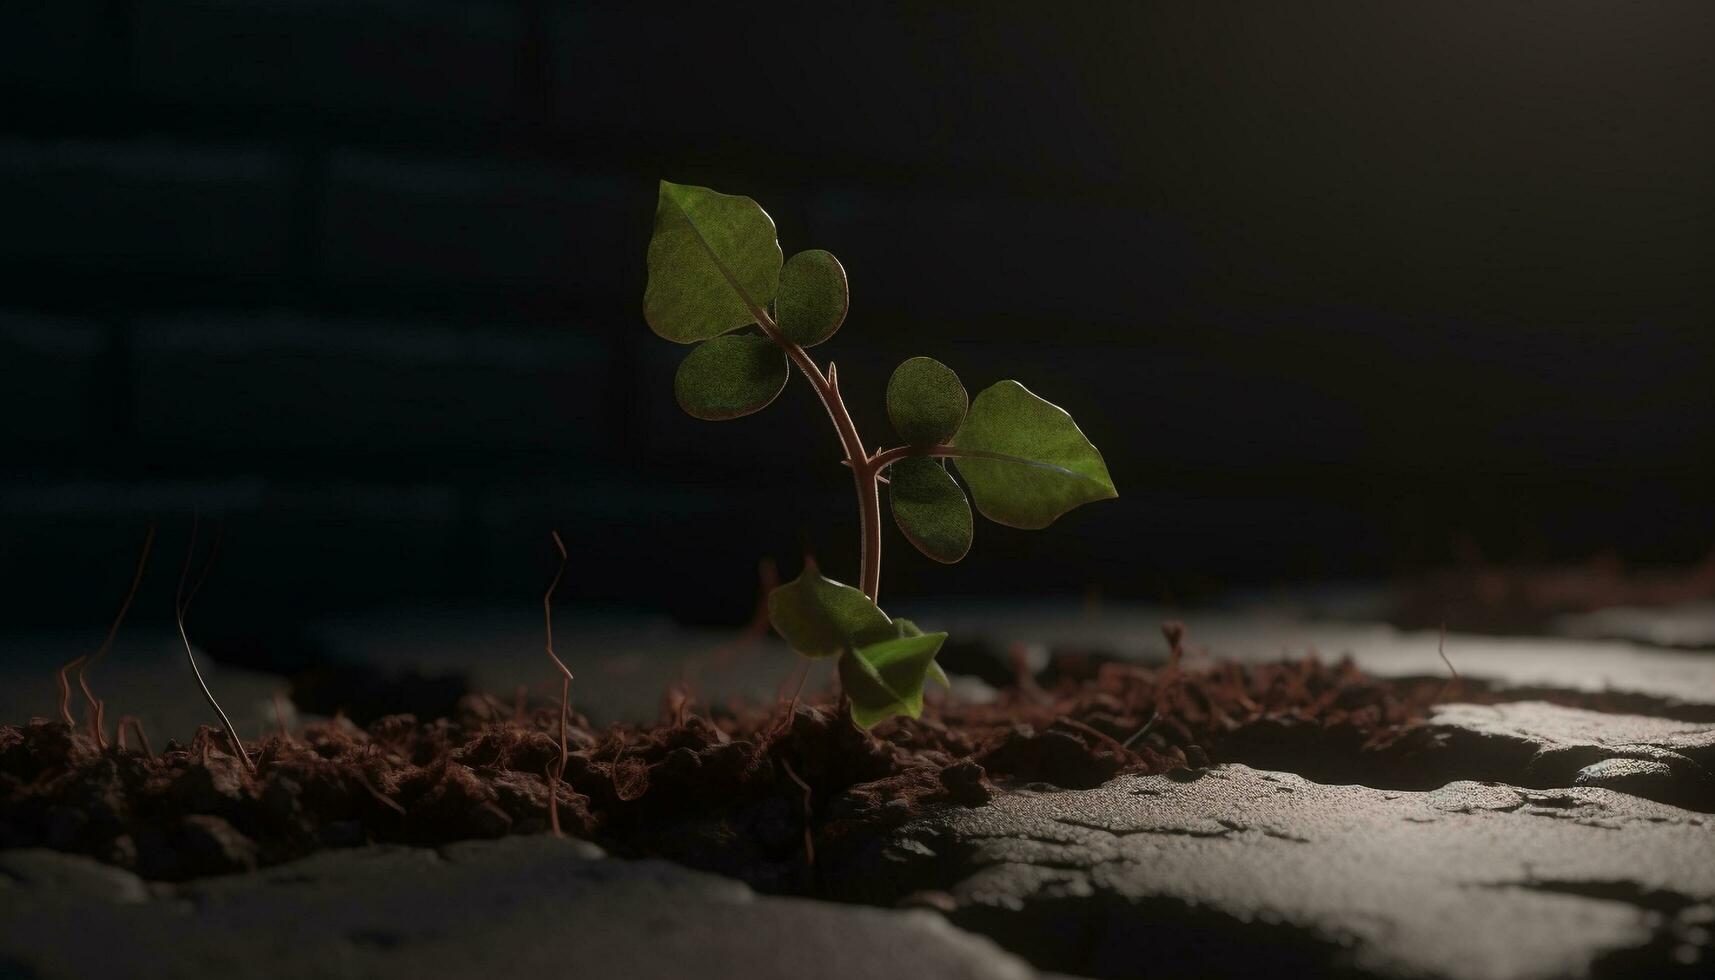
column 813, row 297
column 820, row 617
column 925, row 401
column 713, row 261
column 730, row 376
column 939, row 676
column 886, row 679
column 1051, row 467
column 930, row 508
column 907, row 628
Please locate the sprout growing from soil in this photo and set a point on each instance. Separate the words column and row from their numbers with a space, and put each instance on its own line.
column 717, row 281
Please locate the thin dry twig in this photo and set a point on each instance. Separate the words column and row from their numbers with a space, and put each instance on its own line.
column 137, row 726
column 1441, row 648
column 565, row 687
column 380, row 797
column 181, row 606
column 84, row 662
column 802, row 671
column 1097, row 734
column 1173, row 631
column 1154, row 716
column 809, row 835
column 65, row 690
column 99, row 707
column 280, row 717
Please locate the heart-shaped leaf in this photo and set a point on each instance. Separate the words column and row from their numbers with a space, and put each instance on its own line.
column 813, row 297
column 1048, row 466
column 930, row 508
column 820, row 617
column 886, row 679
column 713, row 262
column 730, row 376
column 925, row 401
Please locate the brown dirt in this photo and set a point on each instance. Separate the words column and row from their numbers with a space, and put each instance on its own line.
column 758, row 794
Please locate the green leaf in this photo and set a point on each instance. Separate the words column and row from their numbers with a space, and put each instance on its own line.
column 907, row 628
column 713, row 262
column 939, row 676
column 925, row 401
column 886, row 679
column 820, row 617
column 1051, row 468
column 930, row 508
column 813, row 297
column 730, row 376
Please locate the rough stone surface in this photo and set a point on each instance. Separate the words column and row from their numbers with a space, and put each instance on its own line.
column 1689, row 625
column 1532, row 744
column 532, row 906
column 39, row 872
column 1239, row 872
column 1546, row 745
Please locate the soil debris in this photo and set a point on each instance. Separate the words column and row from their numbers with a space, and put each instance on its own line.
column 734, row 791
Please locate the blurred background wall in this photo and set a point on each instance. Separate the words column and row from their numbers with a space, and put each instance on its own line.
column 1341, row 290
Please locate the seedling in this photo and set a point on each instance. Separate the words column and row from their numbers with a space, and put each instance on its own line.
column 717, row 281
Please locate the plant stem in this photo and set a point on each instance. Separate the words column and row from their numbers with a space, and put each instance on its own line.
column 557, row 775
column 869, row 512
column 865, row 473
column 887, row 457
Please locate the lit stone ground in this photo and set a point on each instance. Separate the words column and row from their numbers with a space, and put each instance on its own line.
column 525, row 906
column 1241, row 872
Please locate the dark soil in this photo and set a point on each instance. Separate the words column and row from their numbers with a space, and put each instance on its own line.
column 770, row 795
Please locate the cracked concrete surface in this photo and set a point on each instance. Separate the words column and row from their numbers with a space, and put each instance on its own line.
column 524, row 906
column 1216, row 874
column 1533, row 744
column 1540, row 745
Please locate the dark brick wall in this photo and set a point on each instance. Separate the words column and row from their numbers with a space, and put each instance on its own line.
column 1331, row 286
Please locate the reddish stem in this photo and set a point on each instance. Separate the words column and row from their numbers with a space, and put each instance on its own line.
column 865, row 473
column 809, row 818
column 565, row 687
column 85, row 661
